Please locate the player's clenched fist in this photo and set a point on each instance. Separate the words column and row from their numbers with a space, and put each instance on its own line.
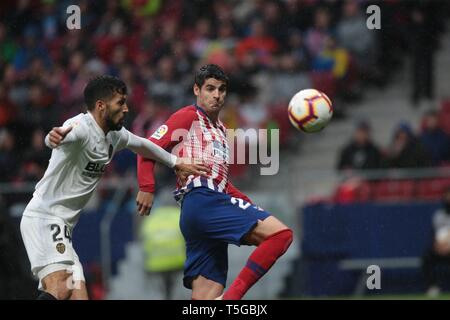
column 57, row 135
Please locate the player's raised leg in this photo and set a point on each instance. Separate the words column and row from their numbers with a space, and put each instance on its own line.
column 273, row 238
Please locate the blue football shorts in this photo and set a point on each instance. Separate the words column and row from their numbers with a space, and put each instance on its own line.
column 209, row 221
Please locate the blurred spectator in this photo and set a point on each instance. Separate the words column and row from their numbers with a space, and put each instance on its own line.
column 30, row 49
column 137, row 90
column 202, row 37
column 153, row 114
column 298, row 14
column 439, row 253
column 406, row 151
column 118, row 60
column 115, row 36
column 166, row 85
column 40, row 110
column 49, row 22
column 182, row 56
column 253, row 114
column 318, row 33
column 164, row 247
column 274, row 21
column 221, row 49
column 332, row 58
column 258, row 43
column 9, row 162
column 423, row 47
column 7, row 108
column 7, row 46
column 353, row 34
column 288, row 80
column 72, row 79
column 143, row 7
column 298, row 48
column 35, row 158
column 361, row 152
column 434, row 139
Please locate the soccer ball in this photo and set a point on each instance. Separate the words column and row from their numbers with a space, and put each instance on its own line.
column 310, row 110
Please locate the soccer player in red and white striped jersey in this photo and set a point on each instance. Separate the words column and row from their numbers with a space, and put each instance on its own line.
column 214, row 213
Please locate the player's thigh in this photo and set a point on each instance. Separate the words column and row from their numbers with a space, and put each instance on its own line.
column 55, row 279
column 207, row 258
column 80, row 291
column 263, row 229
column 205, row 289
column 56, row 283
column 64, row 280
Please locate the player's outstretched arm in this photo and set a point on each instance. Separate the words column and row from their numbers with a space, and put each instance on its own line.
column 184, row 167
column 56, row 136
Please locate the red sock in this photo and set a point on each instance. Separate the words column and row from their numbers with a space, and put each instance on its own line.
column 260, row 261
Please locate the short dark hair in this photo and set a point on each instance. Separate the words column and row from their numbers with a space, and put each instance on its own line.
column 210, row 71
column 102, row 88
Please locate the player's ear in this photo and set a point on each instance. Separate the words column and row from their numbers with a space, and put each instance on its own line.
column 196, row 89
column 100, row 105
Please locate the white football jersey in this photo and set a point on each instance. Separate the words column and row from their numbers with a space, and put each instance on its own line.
column 75, row 169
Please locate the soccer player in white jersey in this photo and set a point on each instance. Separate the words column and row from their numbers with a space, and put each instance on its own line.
column 82, row 148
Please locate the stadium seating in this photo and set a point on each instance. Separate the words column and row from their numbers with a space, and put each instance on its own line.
column 392, row 190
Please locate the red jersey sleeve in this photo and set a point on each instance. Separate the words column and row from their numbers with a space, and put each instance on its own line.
column 235, row 192
column 182, row 119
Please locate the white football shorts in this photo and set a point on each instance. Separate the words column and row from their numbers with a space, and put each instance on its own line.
column 48, row 242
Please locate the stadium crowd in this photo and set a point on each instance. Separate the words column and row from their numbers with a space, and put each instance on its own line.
column 269, row 48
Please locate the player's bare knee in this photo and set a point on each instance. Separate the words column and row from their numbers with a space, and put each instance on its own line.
column 198, row 296
column 263, row 230
column 206, row 295
column 205, row 289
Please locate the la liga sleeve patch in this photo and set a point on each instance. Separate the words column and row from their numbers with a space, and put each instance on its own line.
column 158, row 134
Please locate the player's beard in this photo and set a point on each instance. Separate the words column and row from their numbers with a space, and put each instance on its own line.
column 114, row 126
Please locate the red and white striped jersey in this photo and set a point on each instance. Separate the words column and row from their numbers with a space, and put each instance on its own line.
column 190, row 133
